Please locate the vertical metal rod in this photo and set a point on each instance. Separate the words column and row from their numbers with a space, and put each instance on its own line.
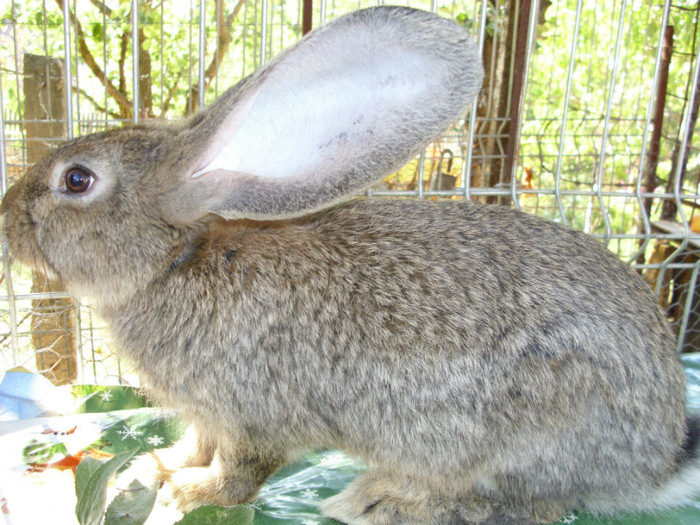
column 3, row 158
column 45, row 40
column 14, row 335
column 263, row 33
column 68, row 66
column 565, row 116
column 18, row 82
column 76, row 302
column 323, row 12
column 135, row 58
column 421, row 174
column 190, row 45
column 245, row 38
column 606, row 128
column 76, row 75
column 202, row 49
column 654, row 99
column 94, row 360
column 104, row 68
column 162, row 59
column 688, row 307
column 79, row 340
column 219, row 15
column 497, row 36
column 283, row 23
column 467, row 164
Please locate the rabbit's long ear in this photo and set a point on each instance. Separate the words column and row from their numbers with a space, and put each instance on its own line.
column 344, row 107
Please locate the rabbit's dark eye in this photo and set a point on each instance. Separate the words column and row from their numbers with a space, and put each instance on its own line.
column 78, row 180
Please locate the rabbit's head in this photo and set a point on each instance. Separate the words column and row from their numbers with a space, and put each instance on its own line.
column 347, row 105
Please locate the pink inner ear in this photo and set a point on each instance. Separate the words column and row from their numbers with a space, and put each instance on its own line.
column 314, row 114
column 219, row 155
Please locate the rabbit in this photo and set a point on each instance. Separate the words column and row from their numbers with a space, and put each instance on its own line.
column 488, row 366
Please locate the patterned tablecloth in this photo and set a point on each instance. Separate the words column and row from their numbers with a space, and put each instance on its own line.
column 38, row 456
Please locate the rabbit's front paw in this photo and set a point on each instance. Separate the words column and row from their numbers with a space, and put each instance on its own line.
column 193, row 450
column 169, row 460
column 196, row 486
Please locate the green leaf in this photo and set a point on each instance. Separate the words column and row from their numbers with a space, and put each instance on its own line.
column 91, row 478
column 97, row 31
column 36, row 453
column 84, row 472
column 214, row 515
column 132, row 506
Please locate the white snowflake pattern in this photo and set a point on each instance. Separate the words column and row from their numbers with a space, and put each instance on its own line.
column 309, row 522
column 568, row 519
column 106, row 396
column 155, row 440
column 128, row 432
column 309, row 494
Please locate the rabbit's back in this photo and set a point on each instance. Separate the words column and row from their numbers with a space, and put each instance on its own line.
column 481, row 341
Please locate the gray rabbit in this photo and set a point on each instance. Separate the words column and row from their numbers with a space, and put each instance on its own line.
column 488, row 366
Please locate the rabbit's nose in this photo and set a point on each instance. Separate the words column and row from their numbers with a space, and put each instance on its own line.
column 10, row 206
column 9, row 199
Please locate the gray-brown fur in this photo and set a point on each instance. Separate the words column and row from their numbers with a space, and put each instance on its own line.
column 488, row 366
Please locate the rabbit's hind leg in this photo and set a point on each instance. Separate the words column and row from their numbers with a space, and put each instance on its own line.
column 234, row 476
column 378, row 499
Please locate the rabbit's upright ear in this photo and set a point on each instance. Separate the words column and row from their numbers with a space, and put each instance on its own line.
column 344, row 107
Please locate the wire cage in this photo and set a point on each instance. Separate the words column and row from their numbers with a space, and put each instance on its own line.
column 586, row 117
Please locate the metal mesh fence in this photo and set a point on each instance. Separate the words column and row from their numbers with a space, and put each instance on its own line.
column 587, row 117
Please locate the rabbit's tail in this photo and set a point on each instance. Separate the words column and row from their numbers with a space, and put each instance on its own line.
column 684, row 486
column 680, row 489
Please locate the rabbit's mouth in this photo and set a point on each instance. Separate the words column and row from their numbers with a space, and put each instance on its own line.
column 19, row 230
column 26, row 252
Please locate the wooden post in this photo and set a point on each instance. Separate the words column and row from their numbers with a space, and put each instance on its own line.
column 53, row 320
